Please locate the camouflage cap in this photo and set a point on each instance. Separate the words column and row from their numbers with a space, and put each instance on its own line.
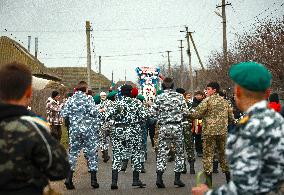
column 251, row 76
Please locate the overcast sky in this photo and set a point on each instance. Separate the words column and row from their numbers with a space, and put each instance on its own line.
column 126, row 27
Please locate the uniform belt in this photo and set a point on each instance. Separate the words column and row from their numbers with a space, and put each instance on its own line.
column 185, row 122
column 125, row 124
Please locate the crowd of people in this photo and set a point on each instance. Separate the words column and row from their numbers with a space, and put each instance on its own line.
column 245, row 135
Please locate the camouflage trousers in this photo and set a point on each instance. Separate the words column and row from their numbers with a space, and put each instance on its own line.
column 88, row 142
column 143, row 143
column 105, row 136
column 188, row 141
column 126, row 144
column 168, row 134
column 210, row 142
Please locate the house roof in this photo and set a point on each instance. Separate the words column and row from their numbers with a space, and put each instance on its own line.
column 72, row 75
column 11, row 51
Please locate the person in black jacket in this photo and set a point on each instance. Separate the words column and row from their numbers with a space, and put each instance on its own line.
column 30, row 156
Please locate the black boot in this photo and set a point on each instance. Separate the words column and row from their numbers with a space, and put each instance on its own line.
column 94, row 181
column 215, row 166
column 124, row 165
column 177, row 180
column 106, row 157
column 184, row 170
column 208, row 179
column 68, row 182
column 191, row 164
column 114, row 179
column 159, row 182
column 136, row 180
column 228, row 176
column 143, row 168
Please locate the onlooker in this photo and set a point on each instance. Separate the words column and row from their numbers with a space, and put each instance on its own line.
column 30, row 156
column 274, row 102
column 53, row 108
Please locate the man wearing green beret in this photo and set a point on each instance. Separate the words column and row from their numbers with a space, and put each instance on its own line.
column 255, row 148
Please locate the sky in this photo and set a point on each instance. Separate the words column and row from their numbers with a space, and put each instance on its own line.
column 127, row 33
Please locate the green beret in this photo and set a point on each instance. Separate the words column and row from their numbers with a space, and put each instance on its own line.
column 97, row 98
column 111, row 94
column 251, row 76
column 140, row 97
column 160, row 92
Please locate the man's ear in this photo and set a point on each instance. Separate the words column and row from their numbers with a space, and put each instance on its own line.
column 28, row 92
column 267, row 93
column 238, row 91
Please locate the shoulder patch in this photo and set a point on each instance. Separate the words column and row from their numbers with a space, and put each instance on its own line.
column 38, row 121
column 244, row 120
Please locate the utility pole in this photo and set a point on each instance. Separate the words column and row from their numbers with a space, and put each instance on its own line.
column 100, row 64
column 169, row 64
column 111, row 77
column 125, row 76
column 181, row 64
column 225, row 50
column 194, row 46
column 88, row 30
column 36, row 47
column 189, row 59
column 29, row 43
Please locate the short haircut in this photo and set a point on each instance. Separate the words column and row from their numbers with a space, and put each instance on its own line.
column 180, row 90
column 126, row 90
column 54, row 94
column 82, row 86
column 214, row 85
column 90, row 92
column 168, row 83
column 274, row 98
column 15, row 79
column 199, row 93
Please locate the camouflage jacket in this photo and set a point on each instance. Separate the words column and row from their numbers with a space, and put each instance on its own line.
column 169, row 107
column 82, row 112
column 215, row 113
column 126, row 111
column 29, row 154
column 255, row 151
column 53, row 109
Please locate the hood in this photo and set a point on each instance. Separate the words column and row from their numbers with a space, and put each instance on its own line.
column 9, row 110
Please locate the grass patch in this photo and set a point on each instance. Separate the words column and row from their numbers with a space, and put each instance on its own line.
column 64, row 137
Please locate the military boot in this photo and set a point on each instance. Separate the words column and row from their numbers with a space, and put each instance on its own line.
column 177, row 180
column 191, row 166
column 208, row 179
column 136, row 180
column 124, row 165
column 184, row 170
column 159, row 182
column 228, row 176
column 114, row 178
column 143, row 168
column 68, row 182
column 94, row 181
column 215, row 166
column 105, row 156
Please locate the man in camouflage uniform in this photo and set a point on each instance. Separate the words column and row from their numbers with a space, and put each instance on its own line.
column 255, row 147
column 53, row 108
column 187, row 134
column 83, row 116
column 104, row 128
column 126, row 135
column 29, row 155
column 215, row 113
column 170, row 108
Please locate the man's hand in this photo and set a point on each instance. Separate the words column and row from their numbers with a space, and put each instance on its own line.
column 200, row 190
column 102, row 110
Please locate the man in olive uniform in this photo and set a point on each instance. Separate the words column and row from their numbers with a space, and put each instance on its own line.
column 255, row 148
column 215, row 113
column 29, row 155
column 170, row 108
